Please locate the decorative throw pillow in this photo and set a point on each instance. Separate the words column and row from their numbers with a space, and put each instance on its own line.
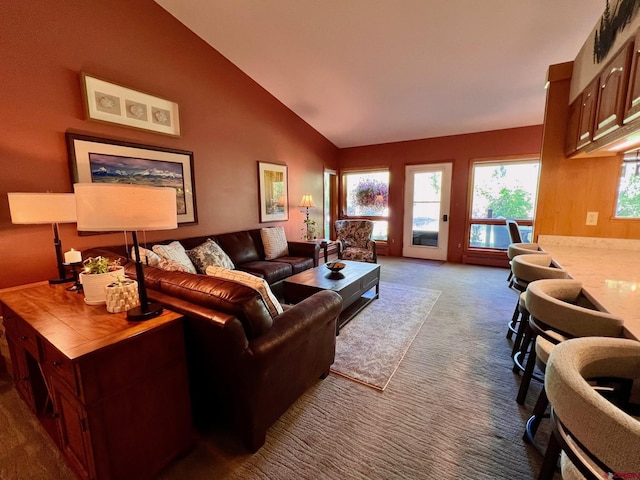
column 275, row 242
column 259, row 284
column 171, row 266
column 209, row 254
column 176, row 252
column 148, row 257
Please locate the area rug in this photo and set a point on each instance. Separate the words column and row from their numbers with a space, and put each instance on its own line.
column 370, row 347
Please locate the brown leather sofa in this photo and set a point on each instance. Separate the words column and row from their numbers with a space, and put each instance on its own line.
column 246, row 250
column 245, row 367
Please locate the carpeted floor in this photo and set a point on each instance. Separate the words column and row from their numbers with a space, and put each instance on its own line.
column 448, row 413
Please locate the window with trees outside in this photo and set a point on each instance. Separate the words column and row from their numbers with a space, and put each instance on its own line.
column 502, row 190
column 366, row 195
column 628, row 202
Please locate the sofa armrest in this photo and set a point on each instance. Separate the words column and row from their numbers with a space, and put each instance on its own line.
column 296, row 324
column 305, row 249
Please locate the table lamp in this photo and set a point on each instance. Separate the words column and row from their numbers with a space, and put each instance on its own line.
column 108, row 207
column 41, row 208
column 307, row 201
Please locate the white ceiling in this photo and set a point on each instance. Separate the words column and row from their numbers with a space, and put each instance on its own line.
column 364, row 72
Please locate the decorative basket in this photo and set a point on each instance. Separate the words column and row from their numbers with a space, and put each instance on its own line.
column 122, row 295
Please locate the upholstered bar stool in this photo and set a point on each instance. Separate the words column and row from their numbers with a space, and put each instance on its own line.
column 519, row 248
column 559, row 310
column 526, row 269
column 598, row 435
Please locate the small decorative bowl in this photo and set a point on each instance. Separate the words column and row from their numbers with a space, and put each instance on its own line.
column 335, row 266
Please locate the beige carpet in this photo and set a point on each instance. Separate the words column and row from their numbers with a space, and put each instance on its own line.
column 370, row 347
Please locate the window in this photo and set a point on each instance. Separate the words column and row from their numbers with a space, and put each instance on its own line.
column 628, row 203
column 502, row 190
column 366, row 195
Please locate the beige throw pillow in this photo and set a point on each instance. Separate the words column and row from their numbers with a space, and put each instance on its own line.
column 148, row 257
column 176, row 252
column 259, row 284
column 275, row 242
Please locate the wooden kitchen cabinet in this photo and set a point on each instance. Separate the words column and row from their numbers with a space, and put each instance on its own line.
column 573, row 125
column 632, row 106
column 112, row 394
column 612, row 91
column 586, row 117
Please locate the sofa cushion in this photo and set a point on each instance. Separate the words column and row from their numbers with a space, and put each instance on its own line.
column 271, row 271
column 239, row 246
column 245, row 278
column 274, row 241
column 148, row 257
column 176, row 252
column 298, row 264
column 208, row 254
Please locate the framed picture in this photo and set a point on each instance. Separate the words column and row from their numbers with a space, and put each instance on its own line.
column 272, row 190
column 109, row 102
column 103, row 160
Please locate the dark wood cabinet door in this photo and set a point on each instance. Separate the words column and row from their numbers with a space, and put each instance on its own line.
column 73, row 430
column 632, row 106
column 612, row 93
column 587, row 114
column 573, row 125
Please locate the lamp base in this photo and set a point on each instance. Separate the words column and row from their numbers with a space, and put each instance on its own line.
column 138, row 314
column 56, row 281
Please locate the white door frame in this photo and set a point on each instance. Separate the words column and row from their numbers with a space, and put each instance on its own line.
column 440, row 251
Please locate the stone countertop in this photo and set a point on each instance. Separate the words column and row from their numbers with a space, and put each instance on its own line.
column 610, row 276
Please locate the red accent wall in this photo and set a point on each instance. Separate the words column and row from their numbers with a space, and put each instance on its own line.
column 461, row 150
column 227, row 120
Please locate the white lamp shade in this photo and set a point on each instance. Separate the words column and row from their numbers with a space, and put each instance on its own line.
column 307, row 201
column 104, row 207
column 36, row 208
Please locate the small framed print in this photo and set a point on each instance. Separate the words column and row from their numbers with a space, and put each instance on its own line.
column 109, row 102
column 272, row 191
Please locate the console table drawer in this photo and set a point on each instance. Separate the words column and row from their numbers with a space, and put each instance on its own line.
column 57, row 365
column 20, row 332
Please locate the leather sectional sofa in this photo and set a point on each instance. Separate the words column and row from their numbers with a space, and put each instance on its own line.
column 246, row 367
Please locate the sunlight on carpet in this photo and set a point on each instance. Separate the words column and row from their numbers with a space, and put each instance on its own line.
column 370, row 348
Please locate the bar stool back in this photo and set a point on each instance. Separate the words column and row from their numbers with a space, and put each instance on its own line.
column 598, row 436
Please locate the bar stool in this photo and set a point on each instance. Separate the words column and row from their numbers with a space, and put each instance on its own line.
column 527, row 268
column 519, row 248
column 598, row 435
column 559, row 310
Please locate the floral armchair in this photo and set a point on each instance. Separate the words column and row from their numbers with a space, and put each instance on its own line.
column 354, row 240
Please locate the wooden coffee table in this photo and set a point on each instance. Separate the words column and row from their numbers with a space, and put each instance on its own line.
column 354, row 283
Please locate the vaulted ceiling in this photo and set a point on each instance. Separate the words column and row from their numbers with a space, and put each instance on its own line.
column 364, row 72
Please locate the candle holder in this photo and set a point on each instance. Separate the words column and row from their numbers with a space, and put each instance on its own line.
column 75, row 272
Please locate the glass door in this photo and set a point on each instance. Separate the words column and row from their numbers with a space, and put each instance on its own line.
column 426, row 219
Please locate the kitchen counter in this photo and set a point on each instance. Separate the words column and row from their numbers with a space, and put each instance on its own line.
column 609, row 272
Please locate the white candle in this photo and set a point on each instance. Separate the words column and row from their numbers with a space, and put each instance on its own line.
column 72, row 256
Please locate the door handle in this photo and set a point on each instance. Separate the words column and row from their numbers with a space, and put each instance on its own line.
column 445, row 218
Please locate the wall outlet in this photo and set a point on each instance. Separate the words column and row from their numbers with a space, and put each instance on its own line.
column 592, row 218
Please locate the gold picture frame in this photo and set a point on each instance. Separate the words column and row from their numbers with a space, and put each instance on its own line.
column 109, row 102
column 273, row 192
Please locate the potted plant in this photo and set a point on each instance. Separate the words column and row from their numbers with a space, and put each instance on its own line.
column 99, row 272
column 309, row 232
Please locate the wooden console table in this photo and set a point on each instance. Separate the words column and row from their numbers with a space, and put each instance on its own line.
column 112, row 394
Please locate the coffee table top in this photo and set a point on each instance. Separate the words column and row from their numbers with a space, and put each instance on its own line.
column 322, row 277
